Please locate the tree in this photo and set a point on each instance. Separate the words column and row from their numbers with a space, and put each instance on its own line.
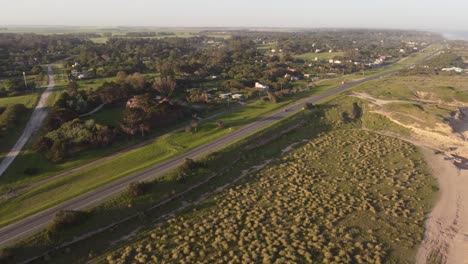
column 121, row 76
column 220, row 123
column 165, row 86
column 72, row 88
column 36, row 70
column 137, row 80
column 133, row 121
column 136, row 189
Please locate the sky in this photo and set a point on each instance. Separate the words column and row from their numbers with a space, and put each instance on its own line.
column 442, row 15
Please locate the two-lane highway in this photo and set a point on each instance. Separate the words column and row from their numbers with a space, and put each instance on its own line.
column 38, row 221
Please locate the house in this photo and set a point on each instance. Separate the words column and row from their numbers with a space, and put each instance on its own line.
column 455, row 69
column 308, row 75
column 82, row 76
column 225, row 96
column 330, row 61
column 262, row 87
column 238, row 96
column 133, row 102
column 273, row 50
column 337, row 62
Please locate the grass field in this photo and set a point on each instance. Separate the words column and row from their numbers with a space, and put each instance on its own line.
column 320, row 56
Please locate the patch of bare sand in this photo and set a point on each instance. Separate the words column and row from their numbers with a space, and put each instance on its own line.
column 374, row 100
column 441, row 136
column 446, row 230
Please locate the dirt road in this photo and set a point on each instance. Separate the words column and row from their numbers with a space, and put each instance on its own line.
column 34, row 123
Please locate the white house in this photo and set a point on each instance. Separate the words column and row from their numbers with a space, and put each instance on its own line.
column 455, row 69
column 263, row 87
column 238, row 96
column 225, row 96
column 82, row 76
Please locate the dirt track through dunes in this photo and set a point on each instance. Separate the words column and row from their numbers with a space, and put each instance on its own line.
column 34, row 123
column 447, row 225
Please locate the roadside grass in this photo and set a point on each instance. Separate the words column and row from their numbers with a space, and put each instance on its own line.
column 29, row 100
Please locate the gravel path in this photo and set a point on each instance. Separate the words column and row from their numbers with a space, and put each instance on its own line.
column 34, row 123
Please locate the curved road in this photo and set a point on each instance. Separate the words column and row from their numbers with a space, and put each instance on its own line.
column 34, row 123
column 38, row 221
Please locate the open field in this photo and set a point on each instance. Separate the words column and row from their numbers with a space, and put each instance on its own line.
column 320, row 56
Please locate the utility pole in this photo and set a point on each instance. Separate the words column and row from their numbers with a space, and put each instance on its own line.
column 25, row 81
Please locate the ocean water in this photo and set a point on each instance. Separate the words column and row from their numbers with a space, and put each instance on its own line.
column 460, row 35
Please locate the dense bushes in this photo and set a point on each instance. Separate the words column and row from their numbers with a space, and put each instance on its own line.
column 67, row 218
column 136, row 189
column 73, row 136
column 79, row 102
column 344, row 197
column 149, row 114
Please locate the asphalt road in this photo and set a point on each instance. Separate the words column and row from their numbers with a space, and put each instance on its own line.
column 36, row 222
column 34, row 123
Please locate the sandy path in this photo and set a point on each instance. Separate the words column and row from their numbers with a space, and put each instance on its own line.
column 447, row 224
column 34, row 123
